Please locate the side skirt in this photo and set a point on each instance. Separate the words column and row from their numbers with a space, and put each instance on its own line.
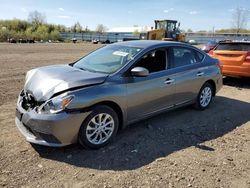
column 147, row 116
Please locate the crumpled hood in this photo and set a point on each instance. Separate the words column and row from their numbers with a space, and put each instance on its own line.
column 44, row 82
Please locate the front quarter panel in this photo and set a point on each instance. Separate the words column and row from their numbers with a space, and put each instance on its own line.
column 113, row 90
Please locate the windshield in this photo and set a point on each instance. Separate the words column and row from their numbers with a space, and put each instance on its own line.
column 107, row 59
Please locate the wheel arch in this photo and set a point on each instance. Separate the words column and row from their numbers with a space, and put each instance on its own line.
column 212, row 83
column 116, row 108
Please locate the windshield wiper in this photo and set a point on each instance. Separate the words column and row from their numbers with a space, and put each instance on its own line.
column 84, row 69
column 81, row 68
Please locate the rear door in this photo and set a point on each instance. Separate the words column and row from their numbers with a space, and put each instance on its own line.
column 189, row 73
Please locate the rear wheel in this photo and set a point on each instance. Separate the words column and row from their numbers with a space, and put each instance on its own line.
column 204, row 97
column 99, row 128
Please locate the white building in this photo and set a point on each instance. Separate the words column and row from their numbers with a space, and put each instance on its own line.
column 139, row 29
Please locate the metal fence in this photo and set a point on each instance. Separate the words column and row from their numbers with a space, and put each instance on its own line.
column 111, row 37
column 199, row 38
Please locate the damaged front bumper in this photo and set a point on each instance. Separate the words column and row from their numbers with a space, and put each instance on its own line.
column 49, row 129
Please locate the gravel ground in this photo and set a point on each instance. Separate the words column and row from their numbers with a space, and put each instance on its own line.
column 181, row 148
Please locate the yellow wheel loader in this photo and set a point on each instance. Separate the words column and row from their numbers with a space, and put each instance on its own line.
column 166, row 30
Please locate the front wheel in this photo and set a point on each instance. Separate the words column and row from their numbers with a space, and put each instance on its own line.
column 204, row 97
column 99, row 128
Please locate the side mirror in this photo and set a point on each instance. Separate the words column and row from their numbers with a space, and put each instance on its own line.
column 139, row 72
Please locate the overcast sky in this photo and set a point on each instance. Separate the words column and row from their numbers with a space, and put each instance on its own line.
column 194, row 14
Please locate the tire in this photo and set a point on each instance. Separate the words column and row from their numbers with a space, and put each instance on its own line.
column 101, row 120
column 204, row 97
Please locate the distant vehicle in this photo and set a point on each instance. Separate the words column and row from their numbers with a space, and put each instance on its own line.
column 74, row 40
column 192, row 42
column 95, row 41
column 235, row 57
column 166, row 30
column 89, row 100
column 31, row 41
column 12, row 40
column 106, row 42
column 209, row 46
column 22, row 41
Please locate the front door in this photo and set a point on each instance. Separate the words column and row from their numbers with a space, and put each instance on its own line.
column 147, row 95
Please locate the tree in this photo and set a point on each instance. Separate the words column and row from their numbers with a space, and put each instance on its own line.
column 240, row 19
column 4, row 34
column 21, row 29
column 100, row 28
column 77, row 28
column 86, row 30
column 54, row 35
column 42, row 32
column 18, row 25
column 29, row 33
column 136, row 32
column 36, row 18
column 61, row 28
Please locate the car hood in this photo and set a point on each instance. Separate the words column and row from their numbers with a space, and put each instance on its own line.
column 44, row 82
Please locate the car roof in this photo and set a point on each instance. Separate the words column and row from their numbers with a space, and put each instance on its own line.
column 148, row 43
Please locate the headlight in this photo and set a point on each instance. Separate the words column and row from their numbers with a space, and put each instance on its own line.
column 55, row 105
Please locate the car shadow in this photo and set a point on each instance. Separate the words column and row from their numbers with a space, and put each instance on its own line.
column 242, row 82
column 148, row 140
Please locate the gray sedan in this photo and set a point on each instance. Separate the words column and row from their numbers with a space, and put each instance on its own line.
column 88, row 101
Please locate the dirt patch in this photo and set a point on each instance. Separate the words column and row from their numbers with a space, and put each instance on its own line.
column 182, row 148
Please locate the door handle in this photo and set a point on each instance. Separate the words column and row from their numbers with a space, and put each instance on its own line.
column 169, row 81
column 200, row 74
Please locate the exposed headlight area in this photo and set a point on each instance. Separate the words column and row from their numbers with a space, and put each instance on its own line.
column 28, row 101
column 51, row 106
column 55, row 105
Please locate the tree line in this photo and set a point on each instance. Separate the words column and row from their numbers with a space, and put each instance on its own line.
column 36, row 28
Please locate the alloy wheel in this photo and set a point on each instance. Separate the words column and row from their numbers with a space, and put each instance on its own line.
column 100, row 128
column 205, row 96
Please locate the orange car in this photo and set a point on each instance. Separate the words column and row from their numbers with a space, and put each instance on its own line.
column 234, row 56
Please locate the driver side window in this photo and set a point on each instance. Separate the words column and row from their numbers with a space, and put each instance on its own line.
column 154, row 61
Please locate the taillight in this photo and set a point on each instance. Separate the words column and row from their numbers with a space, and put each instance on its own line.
column 211, row 52
column 220, row 65
column 248, row 57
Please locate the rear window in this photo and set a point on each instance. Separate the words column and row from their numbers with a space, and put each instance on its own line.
column 234, row 46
